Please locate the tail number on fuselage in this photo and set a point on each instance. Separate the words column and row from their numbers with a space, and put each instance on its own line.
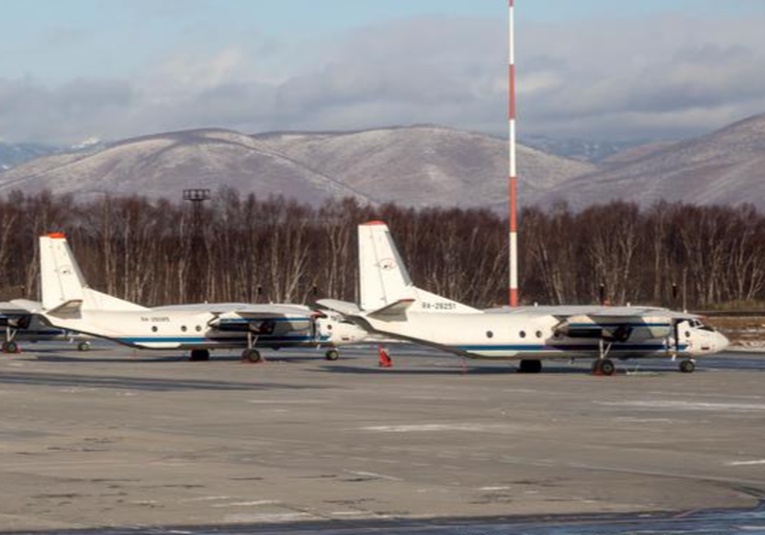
column 438, row 305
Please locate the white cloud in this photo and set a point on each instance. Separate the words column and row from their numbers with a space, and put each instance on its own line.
column 648, row 78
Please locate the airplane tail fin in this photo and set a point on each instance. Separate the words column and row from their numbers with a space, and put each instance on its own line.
column 385, row 282
column 64, row 290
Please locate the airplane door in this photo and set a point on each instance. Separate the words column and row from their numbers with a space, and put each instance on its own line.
column 682, row 335
column 314, row 329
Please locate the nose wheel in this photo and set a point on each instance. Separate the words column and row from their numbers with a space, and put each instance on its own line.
column 687, row 366
column 603, row 367
column 332, row 354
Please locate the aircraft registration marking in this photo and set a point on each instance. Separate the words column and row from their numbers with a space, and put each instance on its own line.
column 155, row 318
column 439, row 305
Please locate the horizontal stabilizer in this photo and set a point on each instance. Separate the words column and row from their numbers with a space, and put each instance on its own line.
column 394, row 312
column 67, row 310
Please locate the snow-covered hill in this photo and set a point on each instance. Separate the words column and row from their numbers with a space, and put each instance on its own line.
column 724, row 167
column 413, row 166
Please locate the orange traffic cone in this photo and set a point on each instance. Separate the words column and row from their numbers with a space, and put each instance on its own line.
column 384, row 359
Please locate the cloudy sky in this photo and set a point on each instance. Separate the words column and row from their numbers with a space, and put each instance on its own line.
column 595, row 69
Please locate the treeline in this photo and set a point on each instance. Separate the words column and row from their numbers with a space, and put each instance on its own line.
column 241, row 248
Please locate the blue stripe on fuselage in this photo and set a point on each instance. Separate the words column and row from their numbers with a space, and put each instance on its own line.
column 569, row 347
column 262, row 340
column 597, row 325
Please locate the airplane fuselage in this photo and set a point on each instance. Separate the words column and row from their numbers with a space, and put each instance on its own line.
column 501, row 336
column 158, row 329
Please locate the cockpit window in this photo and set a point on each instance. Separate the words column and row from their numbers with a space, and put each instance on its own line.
column 698, row 324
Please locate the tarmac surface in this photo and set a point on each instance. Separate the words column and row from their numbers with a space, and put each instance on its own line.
column 116, row 441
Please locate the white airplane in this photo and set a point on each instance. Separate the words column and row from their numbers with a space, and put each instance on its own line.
column 22, row 325
column 68, row 303
column 392, row 306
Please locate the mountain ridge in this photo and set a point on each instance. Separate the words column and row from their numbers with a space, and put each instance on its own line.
column 414, row 166
column 726, row 166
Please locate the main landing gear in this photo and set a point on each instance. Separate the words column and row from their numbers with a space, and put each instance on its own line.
column 251, row 356
column 687, row 366
column 604, row 365
column 199, row 355
column 9, row 344
column 530, row 366
column 332, row 354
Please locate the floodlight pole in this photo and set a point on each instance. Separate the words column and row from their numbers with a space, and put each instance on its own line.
column 195, row 276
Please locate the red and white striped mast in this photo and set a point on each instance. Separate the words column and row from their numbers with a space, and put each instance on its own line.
column 513, row 182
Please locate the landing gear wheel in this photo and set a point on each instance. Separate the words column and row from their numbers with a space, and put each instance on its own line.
column 603, row 367
column 530, row 366
column 251, row 356
column 10, row 347
column 199, row 355
column 83, row 346
column 687, row 366
column 332, row 354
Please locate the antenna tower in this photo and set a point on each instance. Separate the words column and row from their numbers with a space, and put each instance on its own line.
column 513, row 182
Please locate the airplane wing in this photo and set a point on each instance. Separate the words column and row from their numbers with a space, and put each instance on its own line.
column 611, row 323
column 619, row 323
column 263, row 319
column 14, row 316
column 19, row 307
column 17, row 313
column 227, row 308
column 595, row 312
column 342, row 307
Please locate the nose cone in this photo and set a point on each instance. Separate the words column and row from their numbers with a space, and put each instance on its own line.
column 346, row 333
column 358, row 334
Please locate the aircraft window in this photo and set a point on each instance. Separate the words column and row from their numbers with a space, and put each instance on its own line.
column 154, row 329
column 687, row 334
column 183, row 328
column 329, row 327
column 523, row 334
column 539, row 334
column 198, row 328
column 489, row 334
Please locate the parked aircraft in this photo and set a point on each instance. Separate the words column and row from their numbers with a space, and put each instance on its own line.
column 21, row 325
column 68, row 303
column 392, row 306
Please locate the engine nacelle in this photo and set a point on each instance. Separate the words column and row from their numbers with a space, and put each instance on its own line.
column 16, row 322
